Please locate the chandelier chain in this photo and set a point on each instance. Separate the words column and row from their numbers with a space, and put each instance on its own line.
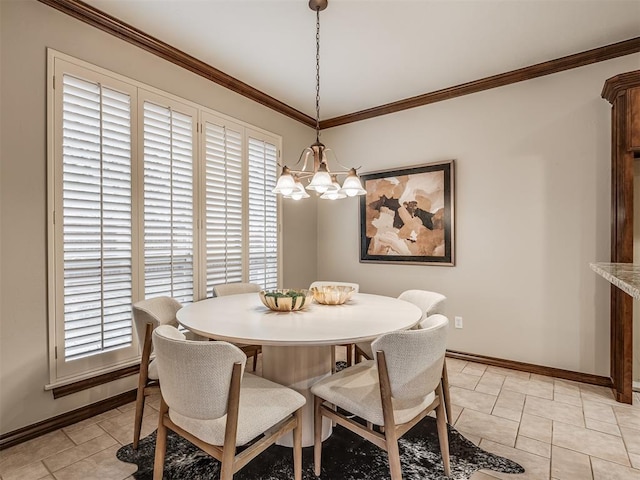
column 318, row 74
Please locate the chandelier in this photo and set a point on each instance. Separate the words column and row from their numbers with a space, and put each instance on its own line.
column 323, row 181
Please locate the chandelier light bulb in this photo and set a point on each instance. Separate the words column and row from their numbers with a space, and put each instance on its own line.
column 321, row 181
column 286, row 184
column 352, row 186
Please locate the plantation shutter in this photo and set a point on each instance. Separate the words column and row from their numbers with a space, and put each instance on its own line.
column 263, row 213
column 96, row 218
column 223, row 203
column 168, row 203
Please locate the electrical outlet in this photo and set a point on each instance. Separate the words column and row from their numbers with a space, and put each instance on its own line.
column 458, row 321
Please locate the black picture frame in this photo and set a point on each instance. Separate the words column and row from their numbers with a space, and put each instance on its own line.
column 407, row 215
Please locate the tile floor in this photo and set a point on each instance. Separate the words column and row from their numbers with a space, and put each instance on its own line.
column 557, row 429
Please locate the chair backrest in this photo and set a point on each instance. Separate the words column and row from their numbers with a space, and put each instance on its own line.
column 225, row 289
column 355, row 286
column 157, row 311
column 194, row 376
column 429, row 302
column 414, row 358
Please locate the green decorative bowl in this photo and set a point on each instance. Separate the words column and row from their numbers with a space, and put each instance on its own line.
column 286, row 300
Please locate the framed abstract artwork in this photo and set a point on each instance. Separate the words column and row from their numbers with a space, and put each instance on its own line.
column 407, row 215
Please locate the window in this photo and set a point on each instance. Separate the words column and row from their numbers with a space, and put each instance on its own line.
column 149, row 195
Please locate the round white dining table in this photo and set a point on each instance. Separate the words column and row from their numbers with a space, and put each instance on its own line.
column 296, row 346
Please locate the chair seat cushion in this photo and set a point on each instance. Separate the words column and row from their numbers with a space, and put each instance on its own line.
column 263, row 404
column 357, row 390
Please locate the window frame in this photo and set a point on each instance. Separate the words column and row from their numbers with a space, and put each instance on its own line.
column 57, row 64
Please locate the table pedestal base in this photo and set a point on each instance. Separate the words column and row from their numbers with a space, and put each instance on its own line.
column 299, row 368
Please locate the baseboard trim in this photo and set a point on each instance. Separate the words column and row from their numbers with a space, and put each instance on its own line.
column 532, row 368
column 32, row 431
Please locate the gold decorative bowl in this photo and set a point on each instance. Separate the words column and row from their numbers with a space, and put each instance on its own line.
column 286, row 300
column 332, row 294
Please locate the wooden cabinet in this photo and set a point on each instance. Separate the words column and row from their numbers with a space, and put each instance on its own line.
column 623, row 92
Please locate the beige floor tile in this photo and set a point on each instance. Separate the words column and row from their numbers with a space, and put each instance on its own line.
column 597, row 394
column 598, row 411
column 33, row 450
column 75, row 454
column 490, row 383
column 93, row 420
column 33, row 471
column 127, row 406
column 566, row 387
column 475, row 439
column 482, row 402
column 604, row 427
column 510, row 399
column 631, row 438
column 481, row 475
column 635, row 460
column 540, row 389
column 554, row 410
column 595, row 444
column 538, row 428
column 456, row 410
column 533, row 446
column 569, row 465
column 123, row 433
column 536, row 467
column 603, row 470
column 627, row 416
column 488, row 427
column 454, row 365
column 463, row 380
column 509, row 373
column 474, row 369
column 102, row 466
column 542, row 378
column 570, row 399
column 508, row 413
column 83, row 435
column 516, row 384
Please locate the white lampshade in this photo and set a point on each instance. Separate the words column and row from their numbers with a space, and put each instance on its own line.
column 286, row 184
column 299, row 191
column 321, row 181
column 352, row 186
column 333, row 193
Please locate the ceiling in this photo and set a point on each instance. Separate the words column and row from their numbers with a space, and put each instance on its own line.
column 374, row 52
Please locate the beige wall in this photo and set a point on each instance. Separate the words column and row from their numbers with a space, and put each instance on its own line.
column 27, row 29
column 532, row 210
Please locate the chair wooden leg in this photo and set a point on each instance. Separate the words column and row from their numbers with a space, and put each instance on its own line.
column 137, row 423
column 333, row 359
column 255, row 360
column 349, row 354
column 393, row 451
column 443, row 434
column 161, row 442
column 445, row 392
column 317, row 436
column 297, row 446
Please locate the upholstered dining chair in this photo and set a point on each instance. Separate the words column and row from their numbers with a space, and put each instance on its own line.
column 348, row 346
column 395, row 391
column 207, row 399
column 148, row 315
column 237, row 288
column 430, row 303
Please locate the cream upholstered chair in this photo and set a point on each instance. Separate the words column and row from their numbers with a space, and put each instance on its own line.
column 348, row 346
column 225, row 289
column 430, row 303
column 207, row 399
column 148, row 315
column 395, row 391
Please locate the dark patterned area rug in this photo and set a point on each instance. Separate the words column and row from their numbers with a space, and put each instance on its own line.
column 345, row 456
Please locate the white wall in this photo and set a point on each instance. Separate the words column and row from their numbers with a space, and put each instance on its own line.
column 532, row 210
column 27, row 29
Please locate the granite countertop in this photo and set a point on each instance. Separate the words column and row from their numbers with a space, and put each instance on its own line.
column 625, row 276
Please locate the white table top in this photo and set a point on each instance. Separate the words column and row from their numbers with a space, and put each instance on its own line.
column 244, row 319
